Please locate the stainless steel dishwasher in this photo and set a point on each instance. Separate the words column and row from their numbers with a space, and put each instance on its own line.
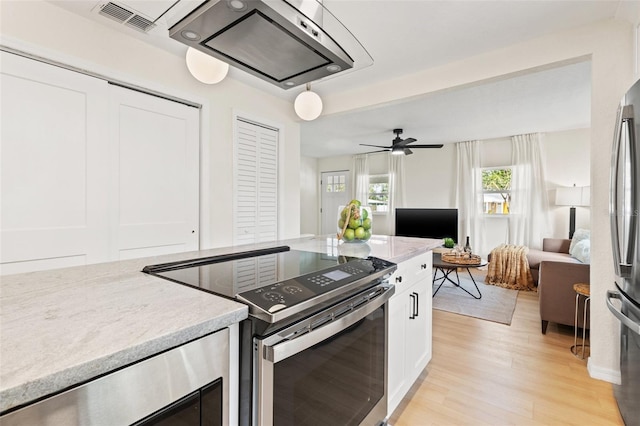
column 187, row 385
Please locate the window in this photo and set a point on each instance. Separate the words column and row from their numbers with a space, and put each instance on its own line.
column 379, row 193
column 496, row 190
column 336, row 183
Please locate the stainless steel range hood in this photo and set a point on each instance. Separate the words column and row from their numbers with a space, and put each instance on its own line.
column 283, row 42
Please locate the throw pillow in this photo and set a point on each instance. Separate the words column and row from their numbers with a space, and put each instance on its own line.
column 582, row 251
column 579, row 235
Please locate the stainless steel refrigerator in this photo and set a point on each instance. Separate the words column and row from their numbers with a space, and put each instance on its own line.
column 624, row 209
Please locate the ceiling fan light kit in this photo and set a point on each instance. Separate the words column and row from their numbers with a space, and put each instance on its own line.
column 308, row 105
column 401, row 146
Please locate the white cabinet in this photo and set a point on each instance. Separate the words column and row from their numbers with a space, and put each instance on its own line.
column 409, row 326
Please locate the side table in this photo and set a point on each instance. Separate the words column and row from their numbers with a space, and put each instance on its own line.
column 583, row 290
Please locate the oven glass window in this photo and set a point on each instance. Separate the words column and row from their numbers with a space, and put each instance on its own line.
column 336, row 382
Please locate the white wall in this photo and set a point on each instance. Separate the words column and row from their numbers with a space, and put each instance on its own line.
column 610, row 46
column 41, row 28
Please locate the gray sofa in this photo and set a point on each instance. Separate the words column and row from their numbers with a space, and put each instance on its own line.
column 555, row 272
column 553, row 250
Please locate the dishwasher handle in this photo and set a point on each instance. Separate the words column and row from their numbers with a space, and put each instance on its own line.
column 631, row 324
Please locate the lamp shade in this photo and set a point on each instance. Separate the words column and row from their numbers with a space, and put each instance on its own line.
column 573, row 196
column 205, row 68
column 308, row 105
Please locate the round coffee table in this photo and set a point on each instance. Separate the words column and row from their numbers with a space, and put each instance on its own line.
column 447, row 268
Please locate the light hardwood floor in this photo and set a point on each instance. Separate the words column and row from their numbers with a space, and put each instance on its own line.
column 488, row 373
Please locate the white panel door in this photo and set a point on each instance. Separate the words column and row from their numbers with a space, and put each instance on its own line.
column 255, row 183
column 53, row 174
column 335, row 190
column 155, row 185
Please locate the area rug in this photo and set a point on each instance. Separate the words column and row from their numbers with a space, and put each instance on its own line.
column 497, row 304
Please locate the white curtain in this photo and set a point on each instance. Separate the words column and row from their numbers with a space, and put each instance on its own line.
column 361, row 178
column 396, row 188
column 469, row 195
column 528, row 215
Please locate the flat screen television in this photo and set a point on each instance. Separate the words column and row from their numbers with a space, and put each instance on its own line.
column 427, row 223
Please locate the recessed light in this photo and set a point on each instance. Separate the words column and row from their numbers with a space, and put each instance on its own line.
column 333, row 68
column 237, row 5
column 190, row 35
column 289, row 83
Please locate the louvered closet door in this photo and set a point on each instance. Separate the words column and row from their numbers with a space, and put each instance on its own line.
column 255, row 183
column 53, row 169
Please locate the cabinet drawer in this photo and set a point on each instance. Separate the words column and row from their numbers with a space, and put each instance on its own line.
column 412, row 270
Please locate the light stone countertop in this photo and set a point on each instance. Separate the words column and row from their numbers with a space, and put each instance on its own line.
column 65, row 326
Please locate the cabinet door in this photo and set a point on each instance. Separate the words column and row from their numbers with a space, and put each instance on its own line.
column 155, row 175
column 418, row 329
column 396, row 370
column 53, row 169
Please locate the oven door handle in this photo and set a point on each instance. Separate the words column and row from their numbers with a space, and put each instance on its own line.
column 284, row 350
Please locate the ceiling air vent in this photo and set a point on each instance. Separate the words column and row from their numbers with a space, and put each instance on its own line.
column 126, row 17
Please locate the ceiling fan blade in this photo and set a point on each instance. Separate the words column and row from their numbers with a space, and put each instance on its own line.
column 376, row 146
column 427, row 146
column 405, row 142
column 373, row 152
column 407, row 151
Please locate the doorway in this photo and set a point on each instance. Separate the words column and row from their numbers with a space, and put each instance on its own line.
column 335, row 189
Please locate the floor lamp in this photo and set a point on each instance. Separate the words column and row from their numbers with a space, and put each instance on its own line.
column 573, row 196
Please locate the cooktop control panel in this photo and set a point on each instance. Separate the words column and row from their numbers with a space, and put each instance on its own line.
column 275, row 297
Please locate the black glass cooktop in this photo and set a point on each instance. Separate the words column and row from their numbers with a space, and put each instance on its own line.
column 273, row 279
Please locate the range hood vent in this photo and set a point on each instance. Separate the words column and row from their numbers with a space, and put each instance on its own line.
column 287, row 43
column 126, row 17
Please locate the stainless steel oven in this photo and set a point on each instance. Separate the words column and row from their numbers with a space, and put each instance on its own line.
column 313, row 350
column 329, row 369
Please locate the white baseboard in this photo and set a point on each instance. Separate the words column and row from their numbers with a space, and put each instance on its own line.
column 606, row 374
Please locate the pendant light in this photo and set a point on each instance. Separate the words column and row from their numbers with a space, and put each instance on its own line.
column 205, row 68
column 308, row 104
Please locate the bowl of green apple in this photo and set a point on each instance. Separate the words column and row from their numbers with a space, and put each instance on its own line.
column 354, row 222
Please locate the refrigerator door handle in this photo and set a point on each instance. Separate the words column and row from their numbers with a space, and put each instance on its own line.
column 632, row 325
column 622, row 260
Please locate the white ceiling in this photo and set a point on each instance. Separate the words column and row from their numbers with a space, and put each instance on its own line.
column 405, row 37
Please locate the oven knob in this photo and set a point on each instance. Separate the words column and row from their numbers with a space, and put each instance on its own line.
column 272, row 296
column 276, row 308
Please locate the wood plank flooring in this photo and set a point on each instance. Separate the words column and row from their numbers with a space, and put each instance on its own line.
column 485, row 373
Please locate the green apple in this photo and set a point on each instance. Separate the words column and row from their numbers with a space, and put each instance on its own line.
column 349, row 235
column 356, row 202
column 360, row 233
column 366, row 223
column 341, row 223
column 355, row 223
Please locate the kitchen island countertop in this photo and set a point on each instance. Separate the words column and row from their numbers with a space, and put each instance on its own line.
column 62, row 327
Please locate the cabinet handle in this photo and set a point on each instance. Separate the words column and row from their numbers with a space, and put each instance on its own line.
column 417, row 299
column 413, row 306
column 423, row 266
column 399, row 279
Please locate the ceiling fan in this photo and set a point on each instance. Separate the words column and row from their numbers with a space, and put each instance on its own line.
column 401, row 146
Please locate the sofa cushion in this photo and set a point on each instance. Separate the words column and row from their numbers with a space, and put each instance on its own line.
column 536, row 256
column 581, row 251
column 579, row 235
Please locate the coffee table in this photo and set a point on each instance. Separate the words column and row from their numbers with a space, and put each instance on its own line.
column 446, row 269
